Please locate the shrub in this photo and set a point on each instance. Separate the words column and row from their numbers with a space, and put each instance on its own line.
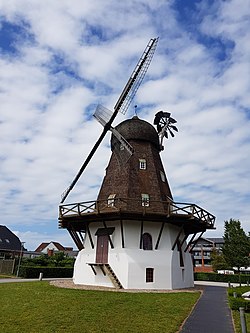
column 239, row 290
column 57, row 260
column 233, row 278
column 48, row 272
column 239, row 302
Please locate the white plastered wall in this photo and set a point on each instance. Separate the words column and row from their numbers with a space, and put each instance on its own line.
column 130, row 263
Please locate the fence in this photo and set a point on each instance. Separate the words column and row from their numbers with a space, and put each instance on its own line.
column 7, row 266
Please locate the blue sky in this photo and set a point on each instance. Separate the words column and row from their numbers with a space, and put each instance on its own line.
column 59, row 59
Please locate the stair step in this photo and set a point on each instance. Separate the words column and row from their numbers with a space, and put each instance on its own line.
column 113, row 277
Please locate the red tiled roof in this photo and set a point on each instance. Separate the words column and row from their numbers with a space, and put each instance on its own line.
column 59, row 246
column 41, row 247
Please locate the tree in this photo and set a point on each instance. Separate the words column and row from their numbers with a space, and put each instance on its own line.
column 236, row 248
column 57, row 260
column 218, row 261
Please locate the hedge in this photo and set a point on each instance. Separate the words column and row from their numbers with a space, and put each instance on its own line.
column 233, row 278
column 238, row 302
column 48, row 272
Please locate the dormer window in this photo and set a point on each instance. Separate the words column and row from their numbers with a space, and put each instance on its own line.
column 111, row 200
column 145, row 199
column 142, row 164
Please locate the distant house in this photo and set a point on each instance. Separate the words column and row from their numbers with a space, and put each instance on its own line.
column 10, row 244
column 201, row 252
column 54, row 247
column 10, row 250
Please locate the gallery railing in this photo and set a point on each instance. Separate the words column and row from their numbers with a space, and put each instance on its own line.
column 169, row 207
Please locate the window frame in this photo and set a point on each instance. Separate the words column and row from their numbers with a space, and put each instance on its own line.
column 142, row 164
column 111, row 200
column 145, row 199
column 147, row 242
column 149, row 274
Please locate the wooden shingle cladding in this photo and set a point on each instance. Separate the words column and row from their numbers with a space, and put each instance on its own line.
column 130, row 180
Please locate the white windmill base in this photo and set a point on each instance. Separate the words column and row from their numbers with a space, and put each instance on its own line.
column 126, row 266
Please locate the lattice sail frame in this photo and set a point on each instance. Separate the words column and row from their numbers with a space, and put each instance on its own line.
column 122, row 148
column 136, row 78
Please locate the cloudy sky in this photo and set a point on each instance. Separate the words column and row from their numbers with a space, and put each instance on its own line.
column 59, row 59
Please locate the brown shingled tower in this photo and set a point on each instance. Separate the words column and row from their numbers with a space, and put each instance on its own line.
column 142, row 177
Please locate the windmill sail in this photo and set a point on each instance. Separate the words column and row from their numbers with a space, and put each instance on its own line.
column 121, row 105
column 102, row 114
column 122, row 148
column 136, row 78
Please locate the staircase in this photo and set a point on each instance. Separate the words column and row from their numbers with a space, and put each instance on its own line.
column 109, row 271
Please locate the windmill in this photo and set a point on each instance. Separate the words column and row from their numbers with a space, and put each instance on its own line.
column 134, row 235
column 165, row 124
column 106, row 117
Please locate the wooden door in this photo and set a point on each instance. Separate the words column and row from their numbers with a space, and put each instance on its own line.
column 102, row 249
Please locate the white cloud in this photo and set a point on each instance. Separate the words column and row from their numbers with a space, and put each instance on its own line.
column 77, row 55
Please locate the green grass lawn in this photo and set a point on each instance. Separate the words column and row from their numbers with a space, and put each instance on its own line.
column 39, row 307
column 236, row 317
column 236, row 313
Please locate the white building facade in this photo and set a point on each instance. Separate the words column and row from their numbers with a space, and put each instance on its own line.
column 134, row 267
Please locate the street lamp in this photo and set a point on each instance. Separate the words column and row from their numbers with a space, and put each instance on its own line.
column 20, row 257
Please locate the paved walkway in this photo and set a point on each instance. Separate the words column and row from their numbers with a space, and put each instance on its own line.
column 211, row 314
column 7, row 280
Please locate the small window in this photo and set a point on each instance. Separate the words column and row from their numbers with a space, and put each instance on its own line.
column 163, row 178
column 149, row 275
column 111, row 200
column 7, row 240
column 181, row 261
column 145, row 199
column 1, row 240
column 142, row 164
column 147, row 241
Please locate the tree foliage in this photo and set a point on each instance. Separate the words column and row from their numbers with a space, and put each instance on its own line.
column 57, row 260
column 218, row 261
column 236, row 248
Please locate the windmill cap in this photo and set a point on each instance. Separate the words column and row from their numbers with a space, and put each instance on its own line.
column 137, row 129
